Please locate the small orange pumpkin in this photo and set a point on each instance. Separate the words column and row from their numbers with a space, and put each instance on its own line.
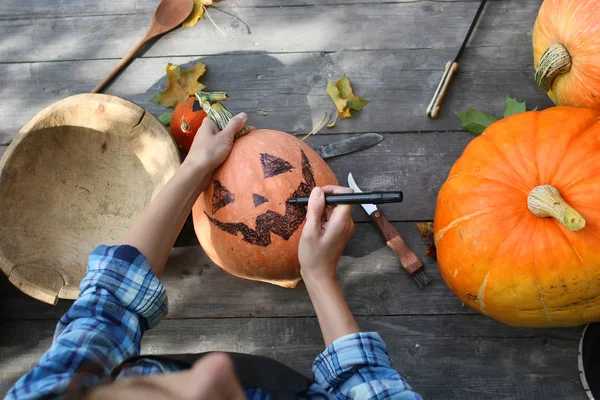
column 242, row 220
column 185, row 122
column 517, row 224
column 566, row 52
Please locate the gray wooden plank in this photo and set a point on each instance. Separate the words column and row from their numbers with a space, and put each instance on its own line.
column 12, row 9
column 410, row 25
column 460, row 357
column 369, row 273
column 287, row 91
column 416, row 163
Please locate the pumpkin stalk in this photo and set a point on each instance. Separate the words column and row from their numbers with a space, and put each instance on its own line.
column 545, row 201
column 217, row 112
column 554, row 62
column 185, row 127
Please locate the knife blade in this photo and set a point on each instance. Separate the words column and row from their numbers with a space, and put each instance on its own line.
column 349, row 145
column 408, row 259
column 369, row 208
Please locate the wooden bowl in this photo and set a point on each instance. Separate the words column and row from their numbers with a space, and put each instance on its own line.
column 76, row 176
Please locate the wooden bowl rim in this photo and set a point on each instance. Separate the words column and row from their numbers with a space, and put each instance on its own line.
column 85, row 100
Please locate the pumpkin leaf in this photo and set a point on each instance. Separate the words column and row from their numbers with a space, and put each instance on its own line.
column 165, row 118
column 181, row 84
column 343, row 97
column 426, row 230
column 476, row 121
column 512, row 106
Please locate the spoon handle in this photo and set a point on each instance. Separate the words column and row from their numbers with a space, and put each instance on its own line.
column 124, row 61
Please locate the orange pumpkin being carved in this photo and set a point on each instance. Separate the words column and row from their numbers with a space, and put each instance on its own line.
column 242, row 220
column 566, row 52
column 517, row 224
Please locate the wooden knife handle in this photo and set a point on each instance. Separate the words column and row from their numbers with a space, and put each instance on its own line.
column 433, row 110
column 409, row 260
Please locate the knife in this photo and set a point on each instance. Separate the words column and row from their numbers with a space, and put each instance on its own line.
column 350, row 145
column 433, row 109
column 409, row 260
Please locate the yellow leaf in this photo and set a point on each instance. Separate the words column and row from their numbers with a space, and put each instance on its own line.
column 196, row 14
column 346, row 113
column 181, row 84
column 334, row 93
column 343, row 97
column 206, row 2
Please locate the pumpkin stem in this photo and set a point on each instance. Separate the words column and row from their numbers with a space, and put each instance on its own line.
column 212, row 97
column 185, row 127
column 545, row 201
column 220, row 114
column 554, row 62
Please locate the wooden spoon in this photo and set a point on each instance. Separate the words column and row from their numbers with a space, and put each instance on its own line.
column 168, row 16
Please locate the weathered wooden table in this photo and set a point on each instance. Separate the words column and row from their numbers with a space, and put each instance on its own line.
column 276, row 69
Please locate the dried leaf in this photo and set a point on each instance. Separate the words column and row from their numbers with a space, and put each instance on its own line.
column 181, row 84
column 426, row 230
column 165, row 118
column 196, row 14
column 512, row 106
column 476, row 121
column 343, row 97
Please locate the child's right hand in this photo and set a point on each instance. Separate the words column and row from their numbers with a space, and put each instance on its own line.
column 324, row 236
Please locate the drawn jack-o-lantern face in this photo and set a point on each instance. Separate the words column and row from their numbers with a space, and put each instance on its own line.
column 243, row 222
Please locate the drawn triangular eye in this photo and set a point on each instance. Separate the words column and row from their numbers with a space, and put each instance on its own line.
column 273, row 166
column 221, row 197
column 258, row 199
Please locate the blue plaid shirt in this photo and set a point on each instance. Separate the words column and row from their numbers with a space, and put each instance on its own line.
column 121, row 298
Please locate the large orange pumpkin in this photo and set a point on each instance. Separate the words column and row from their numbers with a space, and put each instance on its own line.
column 566, row 52
column 517, row 224
column 243, row 222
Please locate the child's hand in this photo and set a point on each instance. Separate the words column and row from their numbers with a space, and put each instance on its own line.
column 211, row 147
column 324, row 236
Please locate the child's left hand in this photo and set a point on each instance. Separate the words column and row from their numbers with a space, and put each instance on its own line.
column 211, row 147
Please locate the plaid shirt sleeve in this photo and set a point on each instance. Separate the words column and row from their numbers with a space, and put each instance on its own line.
column 120, row 299
column 358, row 366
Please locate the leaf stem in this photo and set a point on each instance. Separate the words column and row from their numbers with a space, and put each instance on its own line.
column 316, row 128
column 213, row 22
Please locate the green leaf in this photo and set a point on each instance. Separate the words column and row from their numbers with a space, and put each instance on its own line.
column 513, row 107
column 476, row 121
column 165, row 118
column 534, row 109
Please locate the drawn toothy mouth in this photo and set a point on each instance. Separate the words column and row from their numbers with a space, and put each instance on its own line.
column 270, row 221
